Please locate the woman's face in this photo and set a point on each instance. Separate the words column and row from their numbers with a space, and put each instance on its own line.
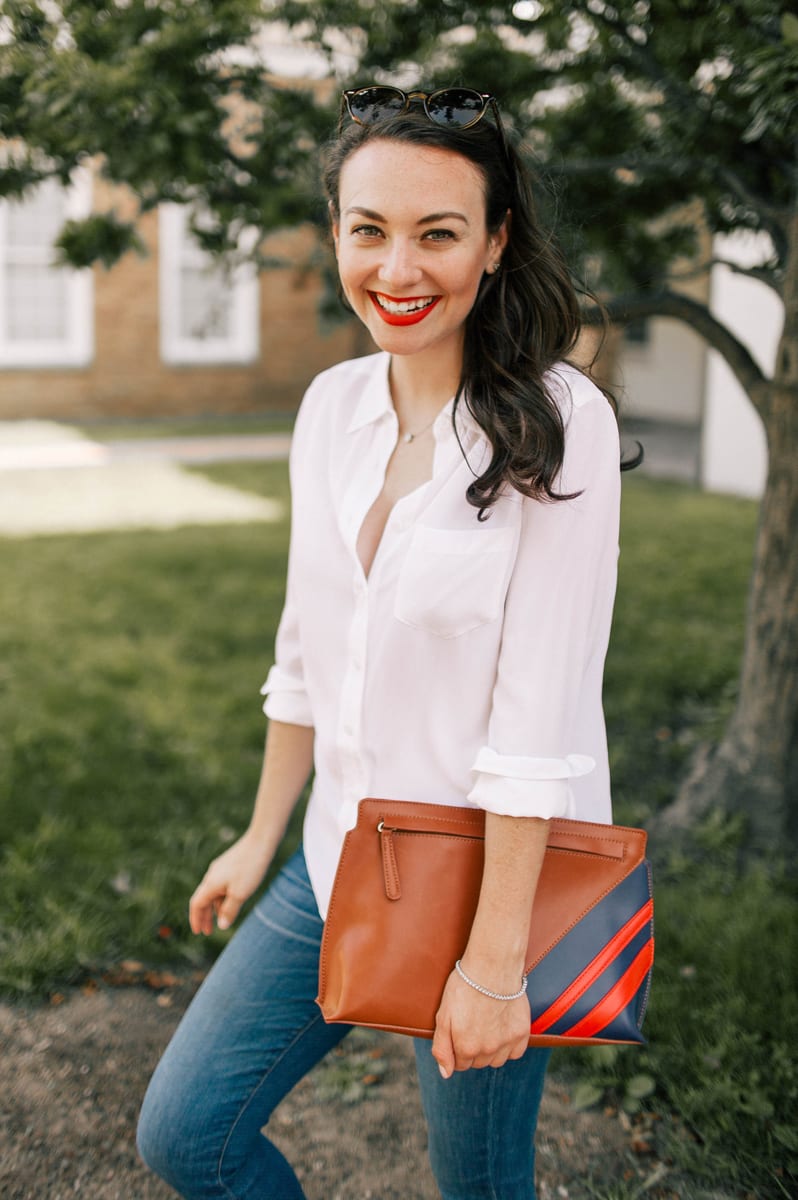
column 412, row 243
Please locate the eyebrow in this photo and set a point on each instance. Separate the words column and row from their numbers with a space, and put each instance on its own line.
column 432, row 219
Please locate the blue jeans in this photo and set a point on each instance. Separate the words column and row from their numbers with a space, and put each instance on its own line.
column 254, row 1030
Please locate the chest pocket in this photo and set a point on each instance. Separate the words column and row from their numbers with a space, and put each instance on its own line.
column 453, row 581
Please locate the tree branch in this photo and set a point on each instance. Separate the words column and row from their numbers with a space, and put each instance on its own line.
column 641, row 54
column 769, row 276
column 772, row 218
column 665, row 303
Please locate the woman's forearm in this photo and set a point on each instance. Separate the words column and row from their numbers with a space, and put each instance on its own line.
column 287, row 763
column 514, row 850
column 472, row 1029
column 234, row 875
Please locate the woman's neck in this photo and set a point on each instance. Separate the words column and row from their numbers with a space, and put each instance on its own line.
column 421, row 385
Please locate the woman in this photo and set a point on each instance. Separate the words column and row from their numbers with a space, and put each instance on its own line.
column 448, row 606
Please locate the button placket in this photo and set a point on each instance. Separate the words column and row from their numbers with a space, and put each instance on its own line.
column 360, row 495
column 366, row 482
column 349, row 725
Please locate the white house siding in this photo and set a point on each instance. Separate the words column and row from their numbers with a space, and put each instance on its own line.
column 734, row 452
column 662, row 378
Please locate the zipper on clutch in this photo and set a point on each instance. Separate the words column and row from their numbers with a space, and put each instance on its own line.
column 390, row 870
column 390, row 867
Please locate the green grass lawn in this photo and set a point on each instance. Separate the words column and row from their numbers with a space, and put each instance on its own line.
column 129, row 696
column 129, row 678
column 179, row 427
column 677, row 637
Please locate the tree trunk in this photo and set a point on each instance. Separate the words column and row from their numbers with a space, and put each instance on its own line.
column 754, row 770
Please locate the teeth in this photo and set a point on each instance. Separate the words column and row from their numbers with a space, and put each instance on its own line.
column 402, row 307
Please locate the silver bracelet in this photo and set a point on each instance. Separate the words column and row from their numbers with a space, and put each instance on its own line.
column 486, row 991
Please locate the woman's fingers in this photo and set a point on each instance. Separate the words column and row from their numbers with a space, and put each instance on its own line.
column 442, row 1048
column 209, row 902
column 227, row 910
column 206, row 901
column 472, row 1031
column 229, row 881
column 200, row 911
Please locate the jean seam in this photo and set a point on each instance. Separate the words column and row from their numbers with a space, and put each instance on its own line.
column 292, row 934
column 491, row 1139
column 300, row 1033
column 306, row 914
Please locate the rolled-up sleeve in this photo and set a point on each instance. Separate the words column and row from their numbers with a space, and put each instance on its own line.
column 286, row 695
column 556, row 628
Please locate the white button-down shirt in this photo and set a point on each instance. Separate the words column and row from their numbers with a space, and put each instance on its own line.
column 467, row 668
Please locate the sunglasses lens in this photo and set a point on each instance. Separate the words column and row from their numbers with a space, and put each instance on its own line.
column 455, row 106
column 374, row 104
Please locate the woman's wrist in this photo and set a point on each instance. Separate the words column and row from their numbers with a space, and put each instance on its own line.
column 500, row 972
column 261, row 842
column 488, row 991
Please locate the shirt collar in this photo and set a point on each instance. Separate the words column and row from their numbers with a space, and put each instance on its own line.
column 375, row 402
column 375, row 398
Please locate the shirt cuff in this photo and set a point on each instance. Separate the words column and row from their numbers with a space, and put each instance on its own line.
column 518, row 786
column 286, row 699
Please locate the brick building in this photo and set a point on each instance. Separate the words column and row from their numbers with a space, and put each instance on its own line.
column 168, row 333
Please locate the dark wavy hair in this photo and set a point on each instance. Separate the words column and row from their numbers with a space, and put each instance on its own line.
column 525, row 317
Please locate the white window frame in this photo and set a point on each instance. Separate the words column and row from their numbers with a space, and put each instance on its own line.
column 76, row 348
column 177, row 249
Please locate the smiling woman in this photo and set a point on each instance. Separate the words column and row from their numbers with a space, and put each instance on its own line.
column 450, row 588
column 415, row 256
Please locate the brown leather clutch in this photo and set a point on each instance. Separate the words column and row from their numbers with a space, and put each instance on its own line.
column 404, row 899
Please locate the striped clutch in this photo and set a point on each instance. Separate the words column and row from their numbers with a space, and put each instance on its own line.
column 404, row 899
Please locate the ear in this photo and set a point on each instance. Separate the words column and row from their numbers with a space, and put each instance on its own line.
column 498, row 240
column 335, row 225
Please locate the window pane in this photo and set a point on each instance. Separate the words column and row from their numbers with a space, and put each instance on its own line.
column 36, row 303
column 207, row 302
column 36, row 220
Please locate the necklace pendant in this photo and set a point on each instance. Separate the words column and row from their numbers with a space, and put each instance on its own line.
column 408, row 437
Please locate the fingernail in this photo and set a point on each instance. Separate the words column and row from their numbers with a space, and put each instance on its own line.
column 223, row 923
column 444, row 1074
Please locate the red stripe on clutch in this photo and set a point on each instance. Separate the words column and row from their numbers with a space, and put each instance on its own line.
column 617, row 997
column 586, row 978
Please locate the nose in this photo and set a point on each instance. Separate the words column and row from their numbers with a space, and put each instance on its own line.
column 400, row 267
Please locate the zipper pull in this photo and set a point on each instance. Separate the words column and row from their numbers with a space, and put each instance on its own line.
column 390, row 870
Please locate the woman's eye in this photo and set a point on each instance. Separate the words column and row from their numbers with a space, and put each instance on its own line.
column 367, row 230
column 439, row 235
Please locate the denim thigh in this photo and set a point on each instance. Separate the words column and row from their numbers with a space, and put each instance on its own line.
column 481, row 1125
column 252, row 1031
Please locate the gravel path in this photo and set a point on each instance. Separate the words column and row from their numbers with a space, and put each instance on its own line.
column 72, row 1074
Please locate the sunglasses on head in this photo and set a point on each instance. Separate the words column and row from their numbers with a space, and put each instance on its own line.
column 452, row 108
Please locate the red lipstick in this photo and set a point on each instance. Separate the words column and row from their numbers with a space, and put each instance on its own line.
column 407, row 318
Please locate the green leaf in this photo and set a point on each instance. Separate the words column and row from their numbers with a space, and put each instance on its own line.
column 787, row 1135
column 758, row 1105
column 586, row 1095
column 640, row 1086
column 789, row 28
column 102, row 237
column 604, row 1056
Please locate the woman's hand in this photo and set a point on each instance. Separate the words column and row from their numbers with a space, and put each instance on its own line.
column 472, row 1030
column 229, row 881
column 233, row 876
